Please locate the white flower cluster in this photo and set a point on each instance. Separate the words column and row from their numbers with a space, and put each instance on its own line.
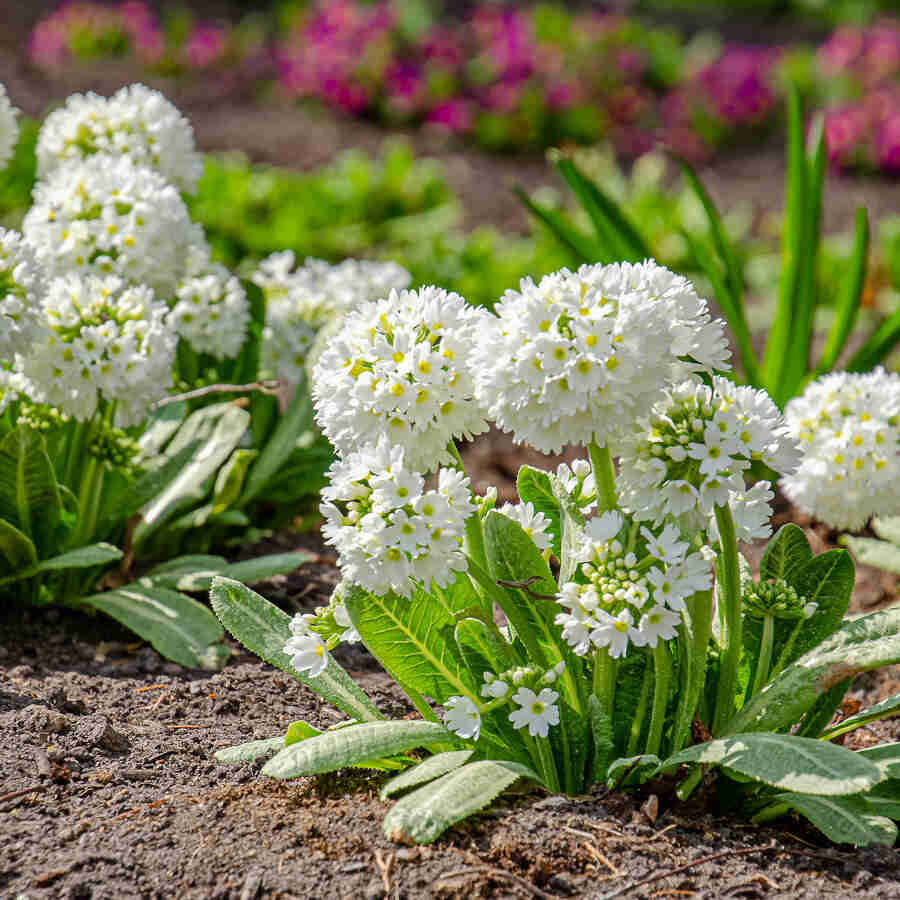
column 22, row 289
column 629, row 596
column 400, row 368
column 9, row 128
column 306, row 649
column 103, row 340
column 136, row 122
column 389, row 530
column 570, row 359
column 107, row 216
column 535, row 524
column 300, row 302
column 690, row 454
column 848, row 426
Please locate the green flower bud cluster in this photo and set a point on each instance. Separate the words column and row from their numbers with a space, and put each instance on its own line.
column 115, row 450
column 40, row 416
column 778, row 599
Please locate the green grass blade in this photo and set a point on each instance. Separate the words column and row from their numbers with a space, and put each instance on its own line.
column 586, row 249
column 877, row 346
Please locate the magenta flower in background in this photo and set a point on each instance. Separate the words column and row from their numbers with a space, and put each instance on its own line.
column 846, row 128
column 841, row 50
column 887, row 143
column 453, row 116
column 205, row 45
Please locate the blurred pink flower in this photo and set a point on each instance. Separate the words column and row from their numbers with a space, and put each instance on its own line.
column 205, row 45
column 454, row 116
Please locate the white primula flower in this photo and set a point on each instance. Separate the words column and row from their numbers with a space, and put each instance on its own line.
column 211, row 312
column 136, row 122
column 22, row 289
column 306, row 648
column 574, row 357
column 300, row 302
column 389, row 531
column 690, row 453
column 628, row 578
column 848, row 426
column 537, row 711
column 9, row 129
column 342, row 619
column 103, row 340
column 107, row 216
column 462, row 718
column 493, row 686
column 535, row 524
column 400, row 368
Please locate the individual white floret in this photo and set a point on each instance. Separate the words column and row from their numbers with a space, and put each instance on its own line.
column 136, row 122
column 577, row 356
column 306, row 648
column 535, row 524
column 22, row 288
column 537, row 711
column 848, row 426
column 462, row 718
column 107, row 216
column 9, row 128
column 400, row 368
column 102, row 341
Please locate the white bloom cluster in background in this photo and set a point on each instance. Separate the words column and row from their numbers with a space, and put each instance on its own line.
column 107, row 216
column 389, row 530
column 22, row 289
column 299, row 302
column 9, row 128
column 848, row 427
column 103, row 340
column 136, row 122
column 572, row 358
column 691, row 452
column 628, row 596
column 400, row 368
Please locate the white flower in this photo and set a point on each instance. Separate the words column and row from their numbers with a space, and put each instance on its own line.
column 848, row 426
column 305, row 648
column 535, row 524
column 102, row 340
column 656, row 624
column 136, row 122
column 342, row 619
column 9, row 128
column 400, row 368
column 389, row 530
column 462, row 718
column 690, row 453
column 22, row 289
column 107, row 216
column 573, row 358
column 211, row 312
column 537, row 711
column 493, row 686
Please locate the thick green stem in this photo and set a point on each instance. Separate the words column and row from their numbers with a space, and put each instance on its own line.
column 662, row 678
column 544, row 762
column 604, row 477
column 729, row 595
column 764, row 660
column 75, row 453
column 637, row 723
column 605, row 679
column 694, row 639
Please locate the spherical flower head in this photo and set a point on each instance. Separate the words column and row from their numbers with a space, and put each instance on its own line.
column 569, row 359
column 390, row 532
column 22, row 288
column 535, row 524
column 630, row 586
column 306, row 649
column 9, row 129
column 136, row 122
column 848, row 427
column 103, row 341
column 536, row 711
column 778, row 599
column 400, row 368
column 462, row 718
column 690, row 453
column 211, row 312
column 108, row 216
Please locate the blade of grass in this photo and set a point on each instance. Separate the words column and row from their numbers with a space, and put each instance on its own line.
column 583, row 247
column 877, row 345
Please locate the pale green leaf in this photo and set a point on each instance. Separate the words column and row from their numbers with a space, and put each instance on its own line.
column 874, row 552
column 241, row 753
column 83, row 558
column 887, row 708
column 427, row 770
column 844, row 820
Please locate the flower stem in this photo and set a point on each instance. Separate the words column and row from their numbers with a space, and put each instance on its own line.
column 694, row 638
column 75, row 452
column 637, row 723
column 662, row 678
column 546, row 766
column 729, row 593
column 604, row 477
column 605, row 679
column 764, row 661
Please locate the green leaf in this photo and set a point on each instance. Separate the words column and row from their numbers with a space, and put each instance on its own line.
column 427, row 770
column 345, row 747
column 179, row 628
column 844, row 820
column 571, row 525
column 17, row 549
column 169, row 573
column 884, row 798
column 883, row 710
column 868, row 642
column 249, row 571
column 873, row 552
column 83, row 558
column 413, row 639
column 264, row 629
column 602, row 732
column 230, row 479
column 787, row 552
column 823, row 710
column 877, row 345
column 803, row 765
column 885, row 756
column 300, row 731
column 424, row 815
column 567, row 234
column 643, row 765
column 241, row 753
column 533, row 486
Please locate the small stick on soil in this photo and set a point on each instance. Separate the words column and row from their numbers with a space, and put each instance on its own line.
column 384, row 868
column 158, row 700
column 593, row 851
column 36, row 789
column 658, row 876
column 533, row 889
column 149, row 687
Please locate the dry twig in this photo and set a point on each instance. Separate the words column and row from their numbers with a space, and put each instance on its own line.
column 384, row 869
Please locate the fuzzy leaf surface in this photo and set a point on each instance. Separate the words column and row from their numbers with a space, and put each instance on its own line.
column 427, row 770
column 844, row 820
column 241, row 753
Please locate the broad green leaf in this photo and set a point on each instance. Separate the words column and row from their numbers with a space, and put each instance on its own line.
column 248, row 571
column 533, row 486
column 644, row 764
column 427, row 770
column 348, row 746
column 883, row 710
column 230, row 479
column 884, row 798
column 264, row 629
column 424, row 815
column 885, row 756
column 169, row 573
column 822, row 711
column 302, row 731
column 17, row 551
column 178, row 627
column 787, row 552
column 844, row 820
column 873, row 552
column 241, row 753
column 299, row 731
column 83, row 558
column 803, row 765
column 161, row 426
